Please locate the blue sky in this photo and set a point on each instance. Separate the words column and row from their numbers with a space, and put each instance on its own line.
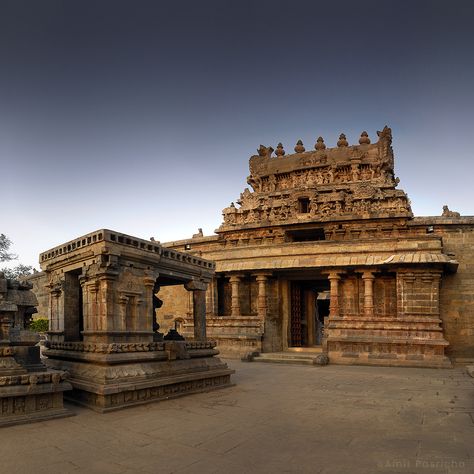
column 140, row 116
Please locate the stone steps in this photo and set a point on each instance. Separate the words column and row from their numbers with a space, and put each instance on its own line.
column 301, row 358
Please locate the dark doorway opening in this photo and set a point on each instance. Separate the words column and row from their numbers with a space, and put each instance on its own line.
column 309, row 307
column 73, row 311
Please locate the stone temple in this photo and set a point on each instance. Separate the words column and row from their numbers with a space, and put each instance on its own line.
column 322, row 254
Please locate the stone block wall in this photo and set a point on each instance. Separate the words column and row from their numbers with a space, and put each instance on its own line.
column 457, row 293
column 177, row 304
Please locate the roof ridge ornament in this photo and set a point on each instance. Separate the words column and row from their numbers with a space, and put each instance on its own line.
column 279, row 150
column 342, row 142
column 299, row 148
column 364, row 138
column 320, row 145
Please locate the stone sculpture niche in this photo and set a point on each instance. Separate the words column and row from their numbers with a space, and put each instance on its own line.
column 28, row 390
column 103, row 331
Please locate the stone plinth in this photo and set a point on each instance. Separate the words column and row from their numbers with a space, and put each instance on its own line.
column 32, row 397
column 409, row 342
column 109, row 377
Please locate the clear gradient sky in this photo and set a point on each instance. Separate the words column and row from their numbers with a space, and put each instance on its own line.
column 140, row 116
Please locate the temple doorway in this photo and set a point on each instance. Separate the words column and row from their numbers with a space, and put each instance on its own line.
column 309, row 301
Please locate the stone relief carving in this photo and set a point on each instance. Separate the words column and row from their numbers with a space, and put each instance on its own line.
column 353, row 181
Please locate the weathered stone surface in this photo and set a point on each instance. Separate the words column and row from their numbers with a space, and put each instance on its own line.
column 28, row 391
column 103, row 302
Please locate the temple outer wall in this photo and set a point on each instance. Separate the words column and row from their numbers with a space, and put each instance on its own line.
column 457, row 289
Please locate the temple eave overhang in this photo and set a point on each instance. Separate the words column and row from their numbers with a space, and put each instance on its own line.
column 382, row 262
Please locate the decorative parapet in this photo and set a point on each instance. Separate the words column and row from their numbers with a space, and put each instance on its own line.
column 109, row 236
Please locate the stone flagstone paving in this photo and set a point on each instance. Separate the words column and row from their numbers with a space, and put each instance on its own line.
column 276, row 419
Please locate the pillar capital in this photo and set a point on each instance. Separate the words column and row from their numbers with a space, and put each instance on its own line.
column 235, row 277
column 334, row 274
column 194, row 285
column 368, row 275
column 262, row 276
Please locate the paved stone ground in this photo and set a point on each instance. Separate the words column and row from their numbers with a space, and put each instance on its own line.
column 277, row 419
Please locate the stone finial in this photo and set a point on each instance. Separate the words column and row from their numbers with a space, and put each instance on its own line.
column 364, row 138
column 299, row 148
column 320, row 145
column 279, row 150
column 342, row 141
column 265, row 151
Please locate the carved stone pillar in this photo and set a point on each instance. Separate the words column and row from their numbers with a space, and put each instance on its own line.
column 368, row 278
column 334, row 294
column 262, row 306
column 235, row 286
column 147, row 318
column 199, row 308
column 210, row 299
column 56, row 311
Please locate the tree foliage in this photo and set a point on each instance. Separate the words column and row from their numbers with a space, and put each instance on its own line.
column 5, row 244
column 39, row 325
column 17, row 272
column 5, row 256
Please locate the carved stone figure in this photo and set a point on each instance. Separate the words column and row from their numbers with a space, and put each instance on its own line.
column 448, row 213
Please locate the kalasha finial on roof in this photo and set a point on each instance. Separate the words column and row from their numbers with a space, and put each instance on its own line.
column 364, row 138
column 299, row 148
column 279, row 150
column 342, row 141
column 320, row 145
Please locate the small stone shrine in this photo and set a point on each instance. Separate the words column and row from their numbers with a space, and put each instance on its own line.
column 103, row 328
column 28, row 390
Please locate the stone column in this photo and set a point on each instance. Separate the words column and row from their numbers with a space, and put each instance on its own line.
column 262, row 306
column 210, row 298
column 56, row 311
column 334, row 278
column 235, row 284
column 199, row 308
column 146, row 320
column 368, row 278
